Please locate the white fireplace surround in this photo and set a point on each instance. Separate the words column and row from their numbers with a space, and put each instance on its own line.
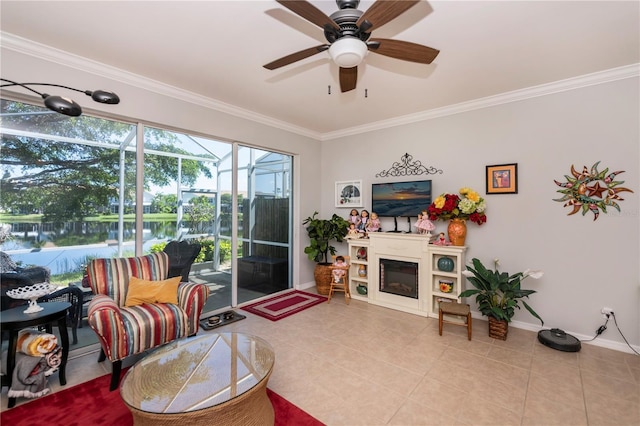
column 413, row 248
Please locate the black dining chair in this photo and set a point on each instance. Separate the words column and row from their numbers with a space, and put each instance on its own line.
column 181, row 254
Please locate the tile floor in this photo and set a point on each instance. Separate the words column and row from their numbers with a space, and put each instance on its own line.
column 365, row 365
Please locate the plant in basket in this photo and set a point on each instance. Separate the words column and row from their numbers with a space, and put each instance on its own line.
column 322, row 232
column 498, row 294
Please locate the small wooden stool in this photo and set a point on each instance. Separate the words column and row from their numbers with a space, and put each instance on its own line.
column 454, row 308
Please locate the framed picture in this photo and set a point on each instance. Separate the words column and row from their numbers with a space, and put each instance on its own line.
column 349, row 193
column 502, row 179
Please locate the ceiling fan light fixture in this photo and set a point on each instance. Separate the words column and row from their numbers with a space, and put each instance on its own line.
column 348, row 52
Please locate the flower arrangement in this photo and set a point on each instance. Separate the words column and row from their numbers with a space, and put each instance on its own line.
column 468, row 205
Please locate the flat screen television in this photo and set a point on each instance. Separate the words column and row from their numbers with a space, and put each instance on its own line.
column 400, row 199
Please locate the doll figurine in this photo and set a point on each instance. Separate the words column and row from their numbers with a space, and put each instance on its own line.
column 353, row 231
column 373, row 225
column 364, row 219
column 441, row 240
column 339, row 269
column 417, row 224
column 354, row 217
column 425, row 226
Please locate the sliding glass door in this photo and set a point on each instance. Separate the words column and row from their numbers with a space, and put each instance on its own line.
column 264, row 223
column 67, row 189
column 71, row 192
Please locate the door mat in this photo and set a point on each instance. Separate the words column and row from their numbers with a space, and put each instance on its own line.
column 283, row 305
column 219, row 320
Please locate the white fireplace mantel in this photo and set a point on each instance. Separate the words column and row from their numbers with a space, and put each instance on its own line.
column 414, row 248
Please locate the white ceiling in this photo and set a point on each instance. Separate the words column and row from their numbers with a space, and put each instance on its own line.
column 217, row 48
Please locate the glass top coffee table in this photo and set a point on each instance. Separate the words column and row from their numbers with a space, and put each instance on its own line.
column 214, row 378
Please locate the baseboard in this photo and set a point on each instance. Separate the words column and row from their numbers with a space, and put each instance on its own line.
column 304, row 286
column 599, row 341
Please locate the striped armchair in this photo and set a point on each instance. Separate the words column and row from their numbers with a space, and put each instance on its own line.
column 125, row 331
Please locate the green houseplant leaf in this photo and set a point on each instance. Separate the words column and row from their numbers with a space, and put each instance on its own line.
column 321, row 233
column 497, row 293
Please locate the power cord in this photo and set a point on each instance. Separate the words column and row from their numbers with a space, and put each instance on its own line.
column 600, row 329
column 603, row 327
column 620, row 331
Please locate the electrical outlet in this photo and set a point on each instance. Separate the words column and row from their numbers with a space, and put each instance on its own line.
column 606, row 312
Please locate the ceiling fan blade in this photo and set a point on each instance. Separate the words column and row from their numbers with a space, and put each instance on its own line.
column 294, row 57
column 309, row 12
column 403, row 50
column 348, row 78
column 382, row 12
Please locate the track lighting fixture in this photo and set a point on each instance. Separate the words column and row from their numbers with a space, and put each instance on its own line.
column 64, row 105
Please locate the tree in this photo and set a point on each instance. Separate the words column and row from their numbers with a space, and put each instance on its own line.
column 67, row 180
column 200, row 214
column 164, row 203
column 225, row 210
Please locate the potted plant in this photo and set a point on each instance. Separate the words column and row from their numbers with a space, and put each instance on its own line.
column 498, row 294
column 321, row 233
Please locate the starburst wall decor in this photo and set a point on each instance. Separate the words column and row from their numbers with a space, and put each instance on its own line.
column 585, row 190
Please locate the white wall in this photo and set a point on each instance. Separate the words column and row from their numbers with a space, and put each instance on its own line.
column 141, row 103
column 588, row 264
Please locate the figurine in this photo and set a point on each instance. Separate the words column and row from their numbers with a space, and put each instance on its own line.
column 374, row 223
column 417, row 224
column 425, row 226
column 353, row 231
column 364, row 219
column 339, row 269
column 441, row 240
column 354, row 217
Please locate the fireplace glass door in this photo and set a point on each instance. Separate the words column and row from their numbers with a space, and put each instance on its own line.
column 399, row 278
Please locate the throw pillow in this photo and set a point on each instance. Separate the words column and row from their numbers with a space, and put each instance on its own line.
column 144, row 291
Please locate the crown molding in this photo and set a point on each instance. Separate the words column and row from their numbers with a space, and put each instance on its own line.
column 28, row 47
column 614, row 74
column 51, row 54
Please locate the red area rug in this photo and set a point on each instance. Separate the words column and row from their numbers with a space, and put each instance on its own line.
column 284, row 305
column 91, row 403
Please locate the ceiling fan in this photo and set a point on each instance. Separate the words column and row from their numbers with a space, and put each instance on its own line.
column 348, row 32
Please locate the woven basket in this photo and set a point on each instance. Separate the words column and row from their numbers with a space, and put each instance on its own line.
column 322, row 275
column 498, row 329
column 252, row 408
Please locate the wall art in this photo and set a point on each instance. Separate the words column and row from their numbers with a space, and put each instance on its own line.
column 591, row 190
column 349, row 193
column 407, row 167
column 502, row 179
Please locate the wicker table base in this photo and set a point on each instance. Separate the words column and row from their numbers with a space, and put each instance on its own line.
column 209, row 379
column 253, row 408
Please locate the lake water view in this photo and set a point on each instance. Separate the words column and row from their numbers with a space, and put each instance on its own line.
column 61, row 248
column 66, row 259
